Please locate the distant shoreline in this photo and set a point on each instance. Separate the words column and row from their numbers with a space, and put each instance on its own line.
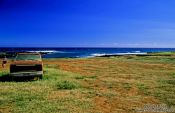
column 146, row 54
column 13, row 54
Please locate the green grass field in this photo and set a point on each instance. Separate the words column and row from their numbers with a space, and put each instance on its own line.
column 55, row 93
column 93, row 85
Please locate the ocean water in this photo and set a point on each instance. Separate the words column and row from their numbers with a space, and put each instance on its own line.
column 85, row 52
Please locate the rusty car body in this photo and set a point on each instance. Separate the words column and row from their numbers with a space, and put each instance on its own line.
column 27, row 65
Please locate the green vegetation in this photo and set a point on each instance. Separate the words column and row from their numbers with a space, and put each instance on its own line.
column 84, row 77
column 157, row 59
column 163, row 53
column 43, row 96
column 166, row 91
column 119, row 84
column 143, row 89
column 4, row 73
column 126, row 86
column 173, row 75
column 9, row 54
column 67, row 85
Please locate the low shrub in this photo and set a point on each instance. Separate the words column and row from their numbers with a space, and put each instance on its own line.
column 67, row 85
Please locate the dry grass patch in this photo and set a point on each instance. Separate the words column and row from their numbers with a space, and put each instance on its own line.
column 117, row 84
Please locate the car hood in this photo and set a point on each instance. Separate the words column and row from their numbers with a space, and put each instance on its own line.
column 28, row 62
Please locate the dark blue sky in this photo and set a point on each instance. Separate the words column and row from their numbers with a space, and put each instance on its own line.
column 87, row 23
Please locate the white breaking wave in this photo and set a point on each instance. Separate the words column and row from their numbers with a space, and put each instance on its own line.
column 103, row 54
column 98, row 54
column 49, row 51
column 137, row 51
column 44, row 51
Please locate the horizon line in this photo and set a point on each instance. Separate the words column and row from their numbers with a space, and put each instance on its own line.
column 75, row 47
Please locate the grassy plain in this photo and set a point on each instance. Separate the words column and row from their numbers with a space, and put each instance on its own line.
column 121, row 84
